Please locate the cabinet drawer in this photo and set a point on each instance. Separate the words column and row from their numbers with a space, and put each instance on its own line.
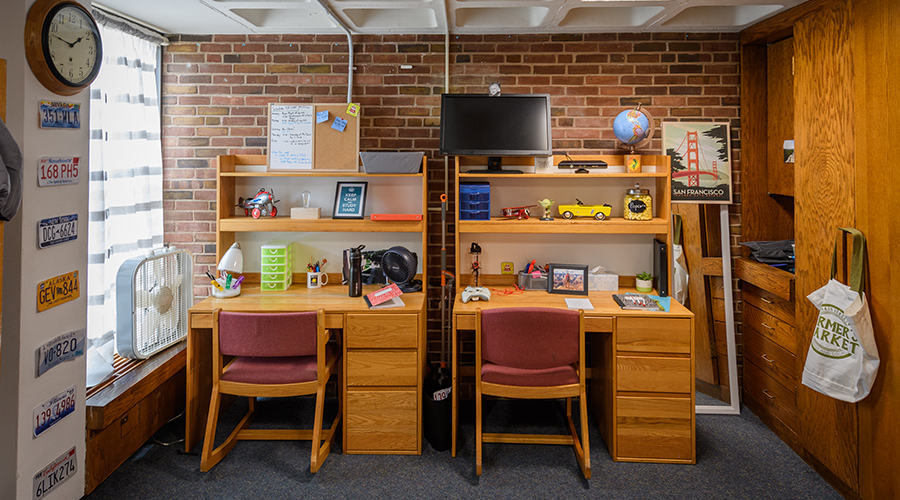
column 654, row 428
column 772, row 359
column 770, row 327
column 382, row 330
column 382, row 421
column 769, row 303
column 653, row 335
column 768, row 393
column 381, row 368
column 653, row 374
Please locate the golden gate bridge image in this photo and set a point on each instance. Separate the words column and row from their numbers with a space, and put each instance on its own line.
column 701, row 166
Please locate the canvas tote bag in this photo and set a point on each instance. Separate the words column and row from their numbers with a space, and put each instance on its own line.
column 843, row 359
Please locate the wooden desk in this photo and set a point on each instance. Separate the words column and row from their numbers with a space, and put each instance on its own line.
column 642, row 375
column 383, row 362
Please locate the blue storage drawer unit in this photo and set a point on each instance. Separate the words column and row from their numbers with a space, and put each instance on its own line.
column 474, row 201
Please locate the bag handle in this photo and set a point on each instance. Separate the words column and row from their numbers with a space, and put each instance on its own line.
column 857, row 260
column 676, row 234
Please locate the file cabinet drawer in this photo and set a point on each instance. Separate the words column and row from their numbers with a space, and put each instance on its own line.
column 381, row 368
column 653, row 374
column 770, row 327
column 382, row 421
column 670, row 419
column 668, row 335
column 382, row 331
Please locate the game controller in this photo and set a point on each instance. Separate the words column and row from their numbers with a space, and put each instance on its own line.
column 476, row 293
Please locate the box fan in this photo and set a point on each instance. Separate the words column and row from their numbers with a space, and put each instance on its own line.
column 153, row 295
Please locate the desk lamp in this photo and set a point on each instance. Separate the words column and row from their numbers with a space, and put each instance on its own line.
column 232, row 264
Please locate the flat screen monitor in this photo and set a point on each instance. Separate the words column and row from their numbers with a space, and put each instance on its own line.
column 496, row 126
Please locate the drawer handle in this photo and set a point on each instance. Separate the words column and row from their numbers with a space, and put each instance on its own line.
column 768, row 395
column 767, row 326
column 767, row 359
column 766, row 300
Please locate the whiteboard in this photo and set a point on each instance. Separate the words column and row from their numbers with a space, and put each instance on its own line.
column 291, row 136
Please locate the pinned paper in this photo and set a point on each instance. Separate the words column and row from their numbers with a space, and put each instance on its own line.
column 353, row 109
column 339, row 124
column 322, row 116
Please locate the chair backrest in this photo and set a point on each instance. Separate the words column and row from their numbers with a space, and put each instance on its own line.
column 530, row 337
column 268, row 334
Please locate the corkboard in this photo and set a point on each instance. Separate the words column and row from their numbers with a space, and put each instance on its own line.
column 297, row 143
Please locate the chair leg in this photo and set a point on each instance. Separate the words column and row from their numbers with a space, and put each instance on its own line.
column 582, row 448
column 478, row 430
column 314, row 461
column 210, row 457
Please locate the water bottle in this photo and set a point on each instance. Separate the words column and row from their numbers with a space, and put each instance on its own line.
column 355, row 272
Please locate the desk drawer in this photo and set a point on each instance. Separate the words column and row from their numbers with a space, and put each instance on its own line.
column 381, row 368
column 769, row 302
column 382, row 330
column 770, row 327
column 774, row 397
column 201, row 320
column 649, row 428
column 382, row 421
column 653, row 335
column 601, row 324
column 653, row 374
column 771, row 358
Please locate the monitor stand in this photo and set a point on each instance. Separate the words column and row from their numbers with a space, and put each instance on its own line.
column 494, row 167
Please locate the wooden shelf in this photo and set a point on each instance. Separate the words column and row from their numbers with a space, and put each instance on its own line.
column 614, row 225
column 329, row 225
column 316, row 173
column 566, row 175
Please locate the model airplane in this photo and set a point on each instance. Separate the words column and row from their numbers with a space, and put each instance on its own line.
column 261, row 205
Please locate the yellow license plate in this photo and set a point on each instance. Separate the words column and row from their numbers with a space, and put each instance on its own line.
column 58, row 290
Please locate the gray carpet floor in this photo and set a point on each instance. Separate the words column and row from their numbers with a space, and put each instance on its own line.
column 737, row 458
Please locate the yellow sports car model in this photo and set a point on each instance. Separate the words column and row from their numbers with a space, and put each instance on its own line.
column 598, row 212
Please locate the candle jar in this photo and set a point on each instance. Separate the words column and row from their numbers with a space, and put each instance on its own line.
column 638, row 204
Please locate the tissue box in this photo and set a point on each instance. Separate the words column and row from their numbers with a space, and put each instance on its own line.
column 603, row 282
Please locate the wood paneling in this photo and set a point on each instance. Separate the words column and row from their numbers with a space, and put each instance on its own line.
column 780, row 116
column 876, row 67
column 824, row 202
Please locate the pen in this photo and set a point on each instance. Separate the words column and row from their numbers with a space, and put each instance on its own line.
column 237, row 282
column 227, row 280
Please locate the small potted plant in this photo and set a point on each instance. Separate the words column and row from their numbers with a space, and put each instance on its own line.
column 644, row 282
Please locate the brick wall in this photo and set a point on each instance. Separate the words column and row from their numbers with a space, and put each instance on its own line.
column 216, row 89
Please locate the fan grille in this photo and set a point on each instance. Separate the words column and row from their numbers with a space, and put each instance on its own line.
column 162, row 297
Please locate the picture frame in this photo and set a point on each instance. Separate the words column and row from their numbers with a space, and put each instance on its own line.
column 704, row 176
column 350, row 200
column 571, row 279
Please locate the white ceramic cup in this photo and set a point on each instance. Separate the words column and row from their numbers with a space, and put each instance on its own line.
column 316, row 280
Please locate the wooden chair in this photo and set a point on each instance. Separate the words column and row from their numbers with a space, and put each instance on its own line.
column 275, row 355
column 531, row 353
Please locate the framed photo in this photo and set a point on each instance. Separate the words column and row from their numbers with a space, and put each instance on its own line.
column 568, row 278
column 701, row 161
column 350, row 200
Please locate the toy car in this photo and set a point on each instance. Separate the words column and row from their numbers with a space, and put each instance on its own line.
column 598, row 212
column 262, row 204
column 518, row 212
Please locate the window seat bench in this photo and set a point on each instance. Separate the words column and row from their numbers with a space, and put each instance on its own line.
column 126, row 410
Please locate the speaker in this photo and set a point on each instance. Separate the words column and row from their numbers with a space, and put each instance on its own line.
column 661, row 267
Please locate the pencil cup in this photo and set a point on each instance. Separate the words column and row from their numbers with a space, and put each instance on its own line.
column 316, row 280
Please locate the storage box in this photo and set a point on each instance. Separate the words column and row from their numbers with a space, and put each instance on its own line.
column 474, row 201
column 391, row 163
column 529, row 281
column 277, row 272
column 603, row 282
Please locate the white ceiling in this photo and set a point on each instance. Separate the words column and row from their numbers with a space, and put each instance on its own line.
column 436, row 16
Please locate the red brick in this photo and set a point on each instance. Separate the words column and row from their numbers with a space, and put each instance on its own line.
column 215, row 47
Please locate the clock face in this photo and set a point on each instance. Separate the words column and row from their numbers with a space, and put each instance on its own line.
column 71, row 45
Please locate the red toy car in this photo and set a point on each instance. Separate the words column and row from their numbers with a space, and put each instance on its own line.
column 517, row 212
column 260, row 204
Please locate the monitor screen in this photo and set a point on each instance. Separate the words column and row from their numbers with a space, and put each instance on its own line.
column 504, row 125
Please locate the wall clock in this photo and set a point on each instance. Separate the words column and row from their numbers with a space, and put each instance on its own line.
column 62, row 44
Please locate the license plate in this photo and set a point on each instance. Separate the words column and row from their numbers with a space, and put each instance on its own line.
column 58, row 290
column 54, row 474
column 56, row 171
column 60, row 114
column 53, row 410
column 63, row 348
column 57, row 230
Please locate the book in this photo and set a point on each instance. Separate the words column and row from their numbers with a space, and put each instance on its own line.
column 637, row 302
column 394, row 302
column 383, row 294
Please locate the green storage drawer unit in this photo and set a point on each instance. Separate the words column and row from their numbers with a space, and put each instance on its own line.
column 276, row 272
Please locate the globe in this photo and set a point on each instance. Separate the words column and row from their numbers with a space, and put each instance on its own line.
column 633, row 126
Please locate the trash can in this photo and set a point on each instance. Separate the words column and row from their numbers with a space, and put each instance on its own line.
column 437, row 407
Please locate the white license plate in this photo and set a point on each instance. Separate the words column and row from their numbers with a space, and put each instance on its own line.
column 56, row 171
column 54, row 474
column 57, row 230
column 63, row 348
column 53, row 410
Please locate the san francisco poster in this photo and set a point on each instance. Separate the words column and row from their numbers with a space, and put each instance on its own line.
column 701, row 161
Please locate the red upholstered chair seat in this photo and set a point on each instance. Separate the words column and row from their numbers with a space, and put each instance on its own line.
column 545, row 377
column 259, row 370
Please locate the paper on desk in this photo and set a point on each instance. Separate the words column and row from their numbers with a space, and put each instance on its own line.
column 577, row 304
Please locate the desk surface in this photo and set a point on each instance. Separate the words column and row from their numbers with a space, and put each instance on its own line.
column 603, row 303
column 332, row 298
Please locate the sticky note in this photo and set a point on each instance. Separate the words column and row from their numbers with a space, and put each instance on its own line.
column 353, row 109
column 339, row 124
column 322, row 116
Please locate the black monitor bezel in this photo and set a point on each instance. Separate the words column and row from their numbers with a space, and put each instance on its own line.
column 496, row 152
